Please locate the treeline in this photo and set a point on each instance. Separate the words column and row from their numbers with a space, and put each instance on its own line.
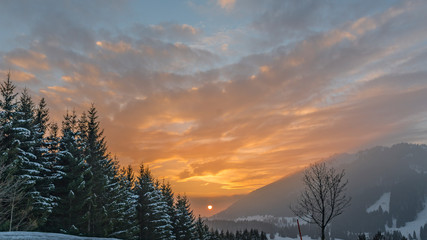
column 396, row 235
column 62, row 179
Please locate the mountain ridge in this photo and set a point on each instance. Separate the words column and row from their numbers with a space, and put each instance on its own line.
column 399, row 170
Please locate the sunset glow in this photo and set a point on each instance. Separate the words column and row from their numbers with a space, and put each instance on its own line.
column 223, row 97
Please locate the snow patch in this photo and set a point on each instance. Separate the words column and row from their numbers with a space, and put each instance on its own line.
column 277, row 221
column 383, row 202
column 410, row 227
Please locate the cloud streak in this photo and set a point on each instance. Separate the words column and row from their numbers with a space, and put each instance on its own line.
column 216, row 125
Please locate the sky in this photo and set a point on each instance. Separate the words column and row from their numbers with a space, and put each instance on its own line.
column 221, row 97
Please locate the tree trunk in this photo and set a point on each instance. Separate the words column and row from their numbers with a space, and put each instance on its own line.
column 11, row 212
column 323, row 233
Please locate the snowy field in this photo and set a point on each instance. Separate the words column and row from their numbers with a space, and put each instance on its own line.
column 44, row 236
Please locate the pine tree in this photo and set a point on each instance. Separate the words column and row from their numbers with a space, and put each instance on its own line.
column 34, row 168
column 53, row 160
column 168, row 197
column 41, row 149
column 125, row 223
column 153, row 220
column 104, row 183
column 184, row 225
column 71, row 191
column 13, row 143
column 9, row 143
column 423, row 232
column 142, row 187
column 202, row 230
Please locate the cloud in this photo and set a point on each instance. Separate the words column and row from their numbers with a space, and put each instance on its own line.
column 170, row 96
column 226, row 4
column 167, row 31
column 20, row 76
column 27, row 59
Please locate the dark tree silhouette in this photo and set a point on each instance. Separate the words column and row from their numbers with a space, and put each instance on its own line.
column 324, row 196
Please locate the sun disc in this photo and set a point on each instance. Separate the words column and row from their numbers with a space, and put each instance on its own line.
column 210, row 207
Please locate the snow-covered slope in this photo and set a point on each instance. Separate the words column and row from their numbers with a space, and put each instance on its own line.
column 383, row 202
column 44, row 236
column 412, row 226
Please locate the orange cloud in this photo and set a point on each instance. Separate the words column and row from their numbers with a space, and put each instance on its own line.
column 222, row 127
column 119, row 47
column 19, row 76
column 226, row 4
column 28, row 59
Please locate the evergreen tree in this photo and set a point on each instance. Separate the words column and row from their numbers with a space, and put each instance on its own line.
column 14, row 141
column 70, row 184
column 44, row 185
column 71, row 191
column 202, row 230
column 9, row 143
column 168, row 197
column 142, row 187
column 125, row 224
column 184, row 222
column 34, row 168
column 153, row 220
column 423, row 232
column 104, row 183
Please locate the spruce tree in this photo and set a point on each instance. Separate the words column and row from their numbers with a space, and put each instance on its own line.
column 120, row 212
column 104, row 183
column 53, row 160
column 13, row 143
column 168, row 197
column 71, row 190
column 202, row 230
column 9, row 143
column 34, row 168
column 184, row 222
column 125, row 222
column 45, row 184
column 153, row 220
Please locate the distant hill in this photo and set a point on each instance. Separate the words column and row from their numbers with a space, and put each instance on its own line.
column 388, row 186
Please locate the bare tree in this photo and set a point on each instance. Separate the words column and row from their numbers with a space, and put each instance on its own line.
column 11, row 194
column 324, row 196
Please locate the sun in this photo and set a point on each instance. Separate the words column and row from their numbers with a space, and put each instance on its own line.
column 210, row 207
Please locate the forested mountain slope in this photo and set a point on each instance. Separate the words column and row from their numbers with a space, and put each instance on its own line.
column 388, row 186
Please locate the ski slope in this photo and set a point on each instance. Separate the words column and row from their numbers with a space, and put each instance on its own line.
column 383, row 202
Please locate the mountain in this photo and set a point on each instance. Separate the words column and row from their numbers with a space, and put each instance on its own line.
column 388, row 186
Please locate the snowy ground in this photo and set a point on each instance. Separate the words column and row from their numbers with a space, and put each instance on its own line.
column 415, row 225
column 276, row 237
column 44, row 236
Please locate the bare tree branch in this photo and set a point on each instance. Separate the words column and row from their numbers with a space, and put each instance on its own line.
column 324, row 196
